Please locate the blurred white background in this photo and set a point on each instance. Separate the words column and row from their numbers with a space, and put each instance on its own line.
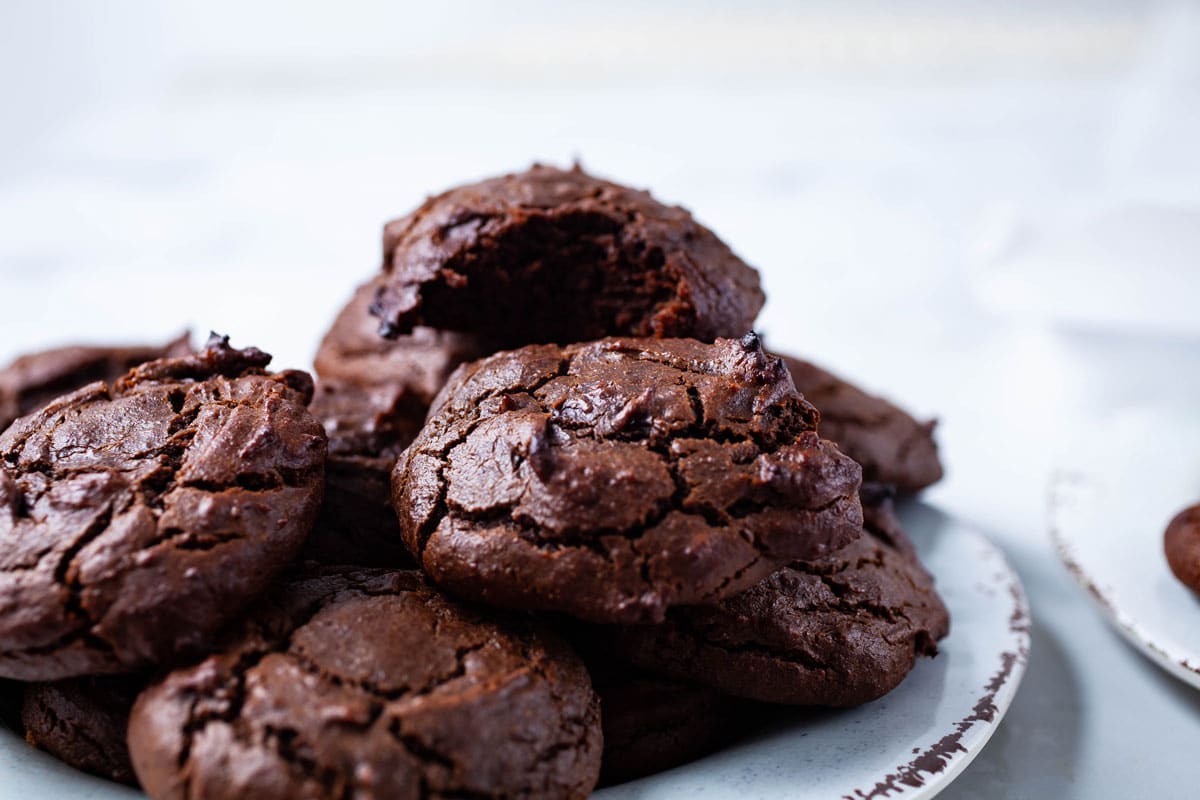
column 1033, row 159
column 989, row 211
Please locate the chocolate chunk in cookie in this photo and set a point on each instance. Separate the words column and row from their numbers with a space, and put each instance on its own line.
column 371, row 684
column 138, row 517
column 837, row 631
column 415, row 366
column 31, row 381
column 82, row 722
column 891, row 446
column 367, row 426
column 615, row 479
column 551, row 255
column 1182, row 545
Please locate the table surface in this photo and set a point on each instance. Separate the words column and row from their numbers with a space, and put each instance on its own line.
column 925, row 218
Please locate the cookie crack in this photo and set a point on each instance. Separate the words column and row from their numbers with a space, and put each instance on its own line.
column 290, row 747
column 427, row 754
column 285, row 741
column 849, row 602
column 740, row 509
column 719, row 591
column 593, row 539
column 235, row 681
column 442, row 454
column 799, row 657
column 181, row 539
column 56, row 410
column 63, row 573
column 388, row 695
column 574, row 726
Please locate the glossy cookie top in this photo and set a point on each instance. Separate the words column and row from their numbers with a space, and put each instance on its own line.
column 369, row 683
column 138, row 517
column 839, row 630
column 614, row 479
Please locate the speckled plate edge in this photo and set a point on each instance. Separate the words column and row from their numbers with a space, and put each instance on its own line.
column 946, row 759
column 1079, row 530
column 988, row 645
column 994, row 646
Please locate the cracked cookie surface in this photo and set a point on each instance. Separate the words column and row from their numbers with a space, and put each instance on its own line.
column 369, row 683
column 138, row 517
column 838, row 631
column 552, row 255
column 892, row 446
column 33, row 380
column 1182, row 546
column 615, row 479
column 82, row 723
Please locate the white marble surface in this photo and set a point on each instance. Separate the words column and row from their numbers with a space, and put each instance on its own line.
column 989, row 212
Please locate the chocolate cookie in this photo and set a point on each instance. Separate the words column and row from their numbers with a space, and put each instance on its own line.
column 415, row 366
column 891, row 446
column 82, row 722
column 838, row 631
column 1182, row 545
column 367, row 426
column 652, row 723
column 615, row 479
column 372, row 398
column 31, row 381
column 137, row 518
column 371, row 684
column 551, row 255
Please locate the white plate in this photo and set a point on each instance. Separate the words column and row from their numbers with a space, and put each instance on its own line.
column 909, row 744
column 1109, row 507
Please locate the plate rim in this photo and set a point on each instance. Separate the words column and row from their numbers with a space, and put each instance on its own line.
column 930, row 768
column 990, row 709
column 1062, row 483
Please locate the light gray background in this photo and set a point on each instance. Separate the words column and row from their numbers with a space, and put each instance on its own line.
column 991, row 212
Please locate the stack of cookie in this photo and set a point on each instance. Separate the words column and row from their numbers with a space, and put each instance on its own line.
column 550, row 513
